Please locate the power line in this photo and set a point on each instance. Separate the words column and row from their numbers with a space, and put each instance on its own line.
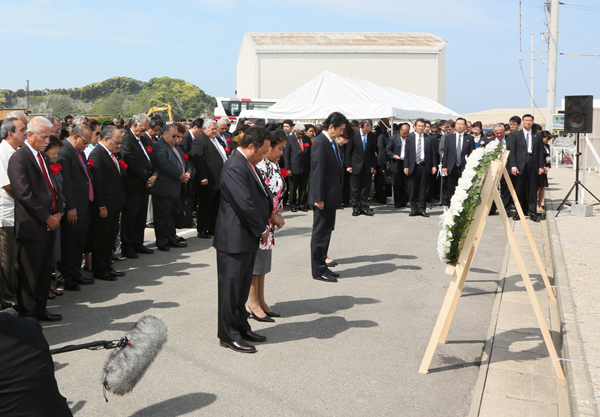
column 580, row 7
column 527, row 85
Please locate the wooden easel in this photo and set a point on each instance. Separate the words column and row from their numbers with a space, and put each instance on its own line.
column 489, row 194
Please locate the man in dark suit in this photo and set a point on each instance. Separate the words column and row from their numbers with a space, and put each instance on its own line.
column 38, row 211
column 79, row 193
column 325, row 193
column 419, row 165
column 208, row 157
column 396, row 150
column 108, row 179
column 190, row 135
column 526, row 162
column 140, row 179
column 499, row 137
column 457, row 146
column 383, row 162
column 169, row 163
column 240, row 226
column 361, row 162
column 296, row 157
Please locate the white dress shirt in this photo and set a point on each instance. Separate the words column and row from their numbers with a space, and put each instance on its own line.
column 7, row 203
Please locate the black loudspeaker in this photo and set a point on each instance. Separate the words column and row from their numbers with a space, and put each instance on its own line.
column 579, row 114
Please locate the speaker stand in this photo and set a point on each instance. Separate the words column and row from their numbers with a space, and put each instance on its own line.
column 575, row 185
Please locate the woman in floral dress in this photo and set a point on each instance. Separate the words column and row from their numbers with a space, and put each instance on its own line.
column 274, row 178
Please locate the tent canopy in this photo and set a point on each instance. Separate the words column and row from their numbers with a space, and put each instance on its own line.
column 356, row 99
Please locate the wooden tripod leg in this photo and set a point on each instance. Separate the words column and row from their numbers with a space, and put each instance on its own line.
column 458, row 276
column 536, row 254
column 530, row 291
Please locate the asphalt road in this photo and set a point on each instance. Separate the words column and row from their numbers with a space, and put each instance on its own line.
column 350, row 348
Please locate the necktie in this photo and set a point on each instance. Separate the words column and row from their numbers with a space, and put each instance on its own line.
column 143, row 149
column 88, row 176
column 179, row 157
column 301, row 145
column 364, row 141
column 458, row 150
column 419, row 145
column 528, row 140
column 116, row 163
column 43, row 166
column 337, row 157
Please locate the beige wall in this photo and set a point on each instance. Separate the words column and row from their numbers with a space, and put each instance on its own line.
column 281, row 73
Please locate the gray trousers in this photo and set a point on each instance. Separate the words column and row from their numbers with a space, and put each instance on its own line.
column 8, row 265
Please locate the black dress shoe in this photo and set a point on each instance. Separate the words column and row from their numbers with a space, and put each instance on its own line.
column 163, row 248
column 273, row 314
column 326, row 278
column 118, row 258
column 516, row 217
column 367, row 212
column 239, row 346
column 47, row 316
column 253, row 337
column 143, row 249
column 398, row 206
column 424, row 214
column 131, row 255
column 332, row 264
column 115, row 273
column 178, row 245
column 355, row 213
column 83, row 281
column 304, row 208
column 535, row 217
column 71, row 286
column 181, row 239
column 334, row 274
column 106, row 277
column 413, row 214
column 293, row 209
column 204, row 235
column 265, row 318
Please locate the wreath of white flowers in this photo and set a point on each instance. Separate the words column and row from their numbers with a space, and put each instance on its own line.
column 457, row 219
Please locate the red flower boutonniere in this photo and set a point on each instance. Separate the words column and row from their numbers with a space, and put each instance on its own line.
column 123, row 164
column 283, row 173
column 149, row 149
column 306, row 145
column 227, row 151
column 90, row 163
column 185, row 156
column 228, row 140
column 55, row 168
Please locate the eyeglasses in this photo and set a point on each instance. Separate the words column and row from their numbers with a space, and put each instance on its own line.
column 116, row 143
column 86, row 143
column 177, row 136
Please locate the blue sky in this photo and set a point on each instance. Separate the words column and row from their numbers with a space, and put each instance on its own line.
column 73, row 43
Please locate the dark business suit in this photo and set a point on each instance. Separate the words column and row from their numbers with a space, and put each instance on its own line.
column 528, row 164
column 244, row 210
column 34, row 203
column 166, row 191
column 186, row 141
column 139, row 169
column 208, row 163
column 109, row 192
column 76, row 190
column 326, row 186
column 419, row 173
column 28, row 386
column 361, row 158
column 297, row 159
column 450, row 161
column 400, row 179
column 381, row 189
column 504, row 191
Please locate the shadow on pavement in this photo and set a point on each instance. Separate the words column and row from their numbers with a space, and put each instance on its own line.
column 293, row 231
column 328, row 305
column 323, row 328
column 177, row 406
column 373, row 258
column 372, row 270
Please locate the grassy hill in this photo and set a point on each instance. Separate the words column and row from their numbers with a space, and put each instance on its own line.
column 118, row 95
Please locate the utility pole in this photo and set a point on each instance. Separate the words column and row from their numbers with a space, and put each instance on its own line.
column 27, row 92
column 532, row 79
column 552, row 6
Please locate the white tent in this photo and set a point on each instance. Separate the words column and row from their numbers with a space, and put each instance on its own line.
column 356, row 99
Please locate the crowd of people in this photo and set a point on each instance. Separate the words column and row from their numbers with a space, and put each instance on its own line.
column 77, row 196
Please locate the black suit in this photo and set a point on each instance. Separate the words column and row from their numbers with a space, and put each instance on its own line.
column 528, row 164
column 139, row 168
column 28, row 386
column 186, row 141
column 76, row 190
column 400, row 179
column 34, row 203
column 381, row 190
column 244, row 210
column 166, row 191
column 361, row 160
column 109, row 192
column 208, row 163
column 297, row 160
column 419, row 174
column 450, row 161
column 325, row 186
